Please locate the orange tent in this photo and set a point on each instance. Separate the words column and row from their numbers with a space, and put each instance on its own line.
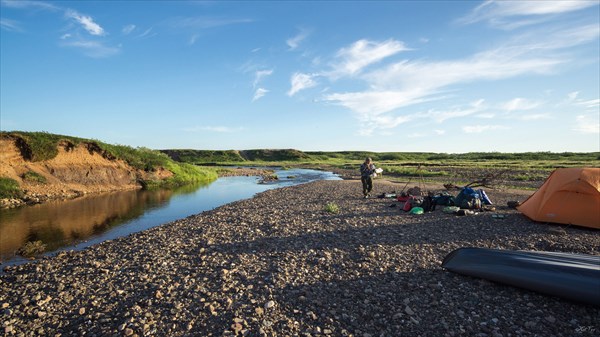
column 568, row 196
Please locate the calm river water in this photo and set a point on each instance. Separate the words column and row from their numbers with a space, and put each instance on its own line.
column 82, row 222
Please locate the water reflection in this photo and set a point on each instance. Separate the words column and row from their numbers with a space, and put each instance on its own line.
column 60, row 223
column 96, row 218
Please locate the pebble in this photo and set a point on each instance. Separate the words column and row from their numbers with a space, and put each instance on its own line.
column 277, row 264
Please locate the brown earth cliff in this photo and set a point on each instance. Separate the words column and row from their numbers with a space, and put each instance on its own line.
column 75, row 171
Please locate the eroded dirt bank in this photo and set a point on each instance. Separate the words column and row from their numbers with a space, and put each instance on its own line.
column 279, row 264
column 75, row 171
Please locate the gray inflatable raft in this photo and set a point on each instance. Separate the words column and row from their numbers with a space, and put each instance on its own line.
column 571, row 276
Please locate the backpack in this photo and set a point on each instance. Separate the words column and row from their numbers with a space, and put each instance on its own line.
column 428, row 204
column 444, row 199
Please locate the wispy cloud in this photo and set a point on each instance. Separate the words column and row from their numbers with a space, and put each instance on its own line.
column 294, row 42
column 300, row 81
column 517, row 104
column 360, row 54
column 95, row 49
column 147, row 33
column 457, row 112
column 515, row 14
column 259, row 93
column 86, row 21
column 587, row 124
column 534, row 117
column 10, row 25
column 410, row 82
column 587, row 104
column 204, row 22
column 482, row 128
column 28, row 4
column 259, row 75
column 128, row 29
column 219, row 129
column 193, row 39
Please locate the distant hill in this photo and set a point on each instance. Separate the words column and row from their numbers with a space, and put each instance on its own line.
column 217, row 157
column 234, row 156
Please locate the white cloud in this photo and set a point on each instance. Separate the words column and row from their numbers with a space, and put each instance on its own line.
column 301, row 81
column 371, row 123
column 294, row 42
column 128, row 29
column 482, row 128
column 28, row 4
column 146, row 33
column 193, row 39
column 219, row 129
column 587, row 124
column 259, row 93
column 520, row 104
column 87, row 22
column 93, row 49
column 376, row 102
column 407, row 83
column 439, row 132
column 204, row 22
column 66, row 36
column 362, row 53
column 260, row 74
column 457, row 112
column 589, row 104
column 515, row 14
column 573, row 95
column 10, row 25
column 534, row 117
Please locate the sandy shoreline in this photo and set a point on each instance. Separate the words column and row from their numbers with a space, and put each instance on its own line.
column 280, row 265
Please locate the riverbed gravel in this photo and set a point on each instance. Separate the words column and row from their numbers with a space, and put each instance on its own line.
column 283, row 264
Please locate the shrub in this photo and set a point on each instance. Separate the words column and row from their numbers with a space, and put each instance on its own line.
column 332, row 207
column 9, row 188
column 34, row 177
column 32, row 248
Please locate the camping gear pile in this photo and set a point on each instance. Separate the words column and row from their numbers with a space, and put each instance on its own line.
column 466, row 202
column 568, row 196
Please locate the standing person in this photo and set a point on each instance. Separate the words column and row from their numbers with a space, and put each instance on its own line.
column 367, row 171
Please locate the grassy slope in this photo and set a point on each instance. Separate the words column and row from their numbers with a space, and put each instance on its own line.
column 40, row 146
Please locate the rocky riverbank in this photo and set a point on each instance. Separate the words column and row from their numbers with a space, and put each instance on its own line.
column 280, row 264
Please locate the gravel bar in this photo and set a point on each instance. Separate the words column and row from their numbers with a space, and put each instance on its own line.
column 280, row 264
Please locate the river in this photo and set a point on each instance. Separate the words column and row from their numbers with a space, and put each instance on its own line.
column 82, row 222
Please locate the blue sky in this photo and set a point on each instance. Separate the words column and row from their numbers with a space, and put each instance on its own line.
column 434, row 76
